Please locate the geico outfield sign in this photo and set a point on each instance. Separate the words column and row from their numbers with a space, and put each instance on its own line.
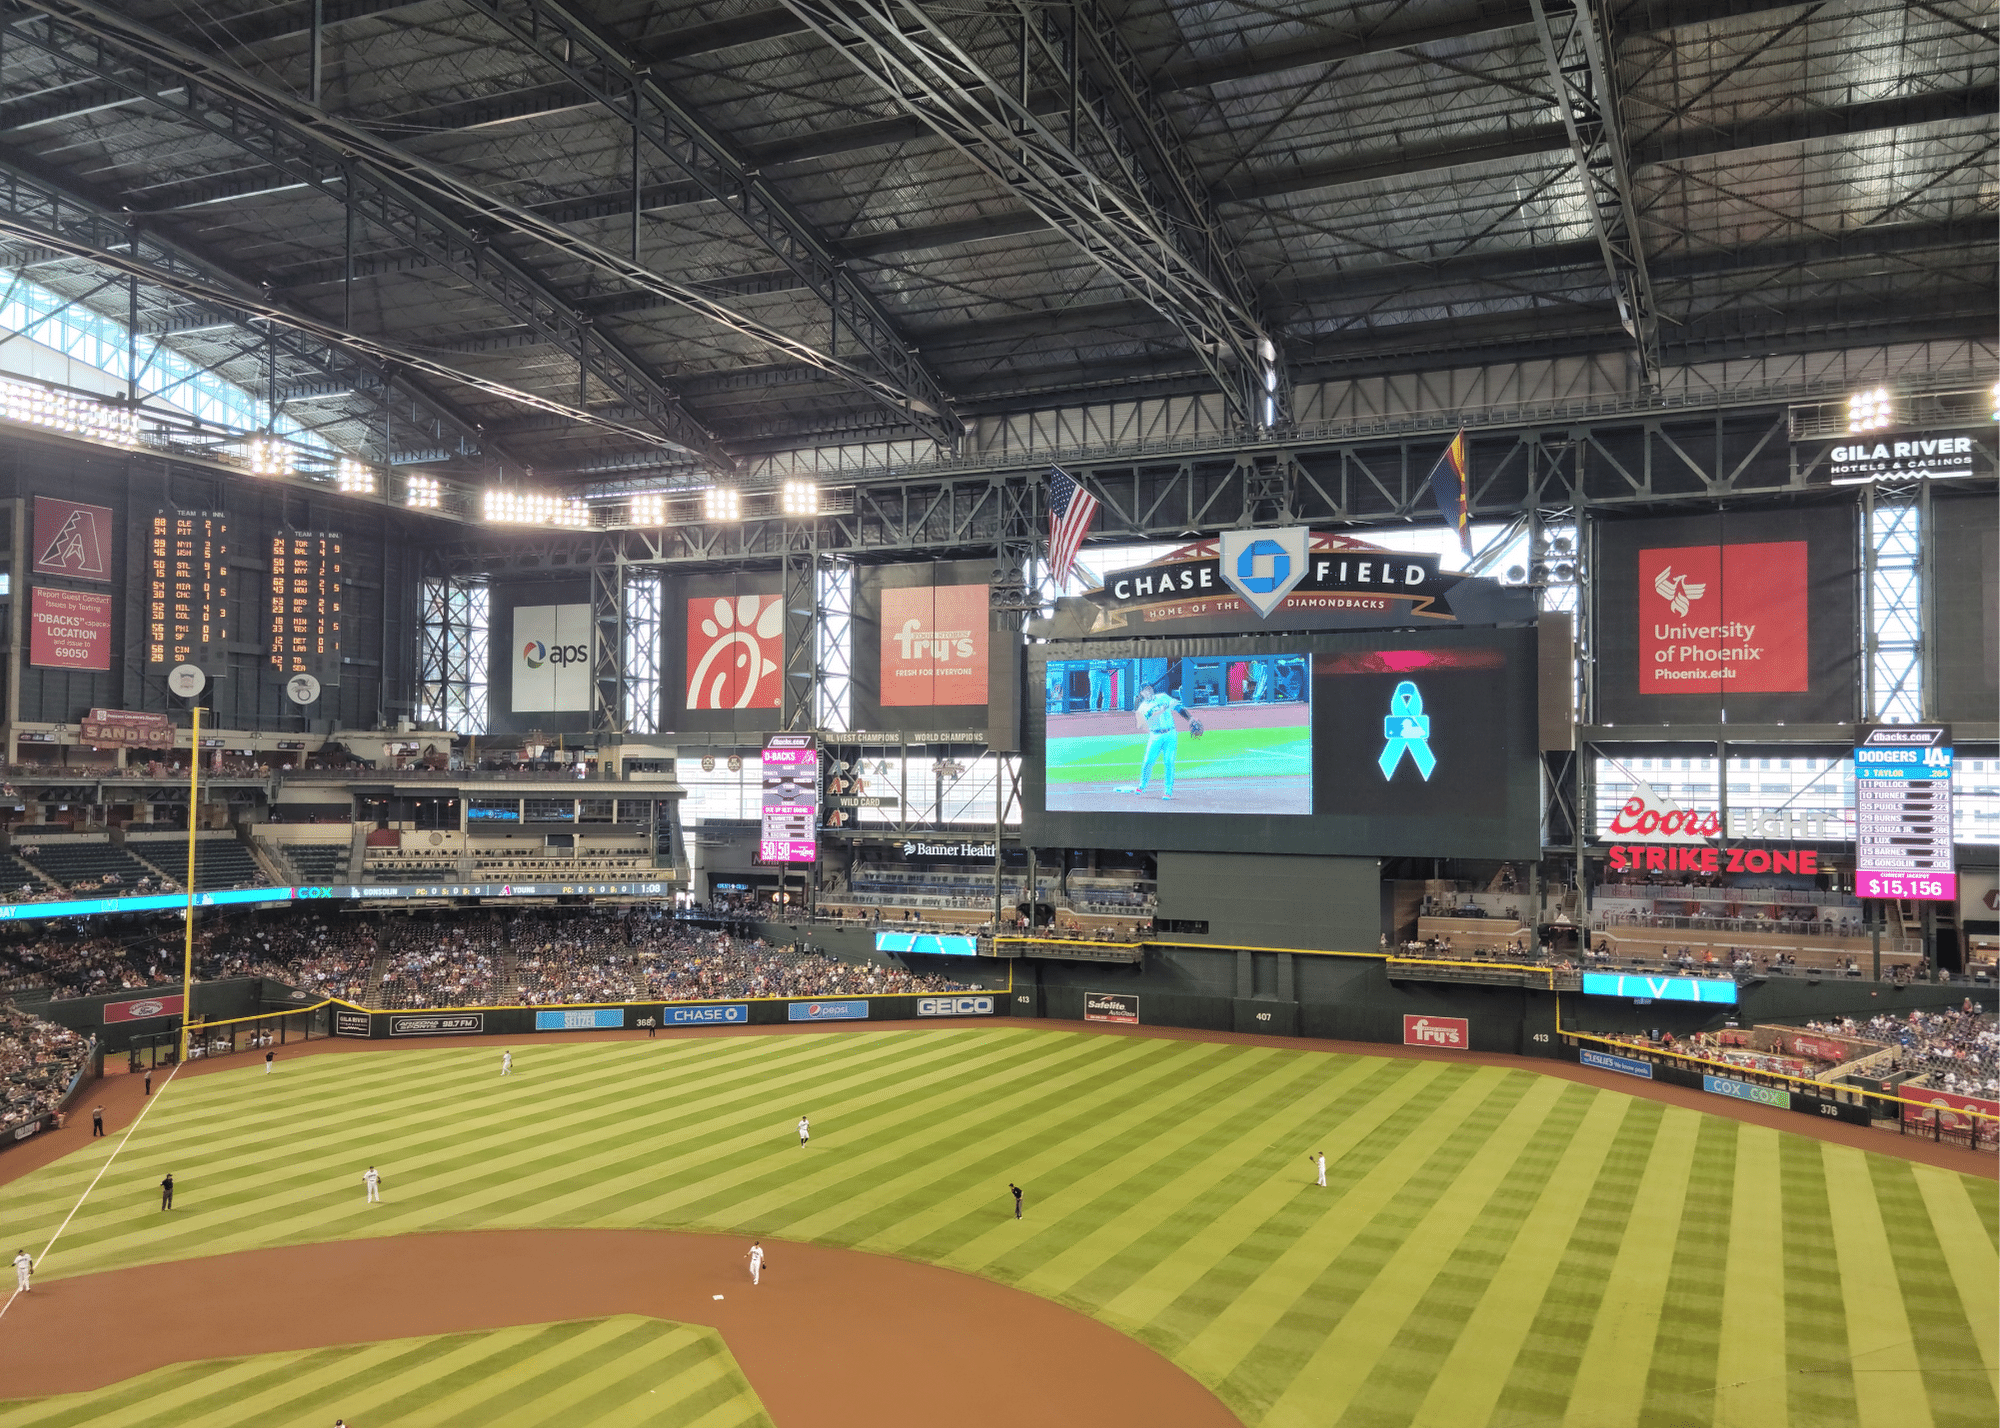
column 955, row 1006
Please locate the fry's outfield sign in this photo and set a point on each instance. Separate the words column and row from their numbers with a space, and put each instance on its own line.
column 1655, row 858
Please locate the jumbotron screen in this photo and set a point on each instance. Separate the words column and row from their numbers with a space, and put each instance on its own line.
column 1180, row 734
column 1388, row 745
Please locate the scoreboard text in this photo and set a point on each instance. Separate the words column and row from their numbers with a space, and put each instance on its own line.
column 187, row 585
column 305, row 603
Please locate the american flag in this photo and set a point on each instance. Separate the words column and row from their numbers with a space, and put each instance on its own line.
column 1071, row 510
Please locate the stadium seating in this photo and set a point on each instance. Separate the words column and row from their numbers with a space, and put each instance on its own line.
column 73, row 860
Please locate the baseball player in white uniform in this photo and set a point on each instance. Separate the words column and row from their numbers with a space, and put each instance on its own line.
column 506, row 1063
column 756, row 1261
column 24, row 1265
column 374, row 1184
column 1318, row 1158
column 805, row 1130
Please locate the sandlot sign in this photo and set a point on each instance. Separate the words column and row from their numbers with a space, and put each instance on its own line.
column 1453, row 1033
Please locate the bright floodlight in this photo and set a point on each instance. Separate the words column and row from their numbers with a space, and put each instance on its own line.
column 533, row 508
column 722, row 503
column 1996, row 401
column 649, row 508
column 270, row 457
column 1868, row 411
column 31, row 405
column 354, row 478
column 423, row 493
column 801, row 498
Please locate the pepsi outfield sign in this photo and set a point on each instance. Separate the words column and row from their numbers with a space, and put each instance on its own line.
column 826, row 1011
column 1715, row 991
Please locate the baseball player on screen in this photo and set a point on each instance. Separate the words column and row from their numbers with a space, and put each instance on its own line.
column 1155, row 714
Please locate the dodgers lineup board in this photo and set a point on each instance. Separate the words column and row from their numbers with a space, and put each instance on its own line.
column 1902, row 814
column 791, row 800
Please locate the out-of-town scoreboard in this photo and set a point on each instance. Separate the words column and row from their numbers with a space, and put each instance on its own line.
column 305, row 603
column 1902, row 813
column 187, row 586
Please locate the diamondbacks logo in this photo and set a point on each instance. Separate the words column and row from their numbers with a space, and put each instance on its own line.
column 735, row 645
column 1676, row 591
column 72, row 539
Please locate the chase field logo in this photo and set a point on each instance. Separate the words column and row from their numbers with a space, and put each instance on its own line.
column 1263, row 566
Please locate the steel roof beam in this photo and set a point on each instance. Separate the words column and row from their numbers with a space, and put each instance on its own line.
column 405, row 212
column 598, row 64
column 1089, row 185
column 1581, row 68
column 408, row 175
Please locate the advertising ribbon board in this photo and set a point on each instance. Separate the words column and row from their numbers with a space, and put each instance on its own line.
column 458, row 1024
column 1453, row 1033
column 1111, row 1006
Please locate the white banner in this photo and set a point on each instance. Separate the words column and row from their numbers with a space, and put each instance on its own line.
column 551, row 659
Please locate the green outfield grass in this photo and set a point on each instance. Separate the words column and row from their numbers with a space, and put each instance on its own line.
column 1494, row 1247
column 619, row 1372
column 1218, row 753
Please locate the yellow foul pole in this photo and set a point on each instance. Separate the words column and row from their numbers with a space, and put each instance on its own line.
column 187, row 952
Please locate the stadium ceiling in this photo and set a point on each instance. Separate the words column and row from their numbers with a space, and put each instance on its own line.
column 695, row 235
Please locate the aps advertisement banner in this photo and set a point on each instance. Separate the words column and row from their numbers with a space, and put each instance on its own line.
column 69, row 629
column 551, row 659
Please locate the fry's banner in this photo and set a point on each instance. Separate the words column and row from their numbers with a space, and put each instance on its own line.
column 934, row 644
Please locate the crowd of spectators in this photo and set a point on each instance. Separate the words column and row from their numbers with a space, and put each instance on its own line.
column 70, row 965
column 38, row 1061
column 1955, row 1051
column 428, row 963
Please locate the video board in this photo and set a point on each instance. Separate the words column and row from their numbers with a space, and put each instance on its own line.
column 1902, row 813
column 788, row 832
column 1377, row 744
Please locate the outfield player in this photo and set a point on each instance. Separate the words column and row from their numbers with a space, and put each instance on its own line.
column 1017, row 1198
column 23, row 1267
column 269, row 1057
column 167, row 1192
column 1155, row 714
column 805, row 1130
column 1318, row 1158
column 374, row 1184
column 756, row 1261
column 506, row 1063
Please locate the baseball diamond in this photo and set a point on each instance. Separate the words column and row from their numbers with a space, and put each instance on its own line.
column 1492, row 1246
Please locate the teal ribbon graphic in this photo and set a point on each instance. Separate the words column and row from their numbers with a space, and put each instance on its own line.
column 1408, row 730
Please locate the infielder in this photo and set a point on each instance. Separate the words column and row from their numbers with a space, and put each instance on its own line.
column 374, row 1184
column 506, row 1063
column 756, row 1261
column 1155, row 714
column 1318, row 1158
column 805, row 1130
column 23, row 1267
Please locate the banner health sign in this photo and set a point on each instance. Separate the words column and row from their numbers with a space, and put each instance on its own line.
column 1624, row 1065
column 1718, row 990
column 941, row 944
column 1744, row 1091
column 579, row 1019
column 826, row 1011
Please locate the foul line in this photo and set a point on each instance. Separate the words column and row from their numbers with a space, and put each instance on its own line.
column 42, row 1258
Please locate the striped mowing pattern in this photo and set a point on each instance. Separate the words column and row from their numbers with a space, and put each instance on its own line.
column 1493, row 1246
column 619, row 1372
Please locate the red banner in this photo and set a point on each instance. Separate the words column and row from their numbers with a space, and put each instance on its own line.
column 142, row 1009
column 933, row 644
column 1723, row 617
column 69, row 629
column 735, row 649
column 1942, row 1104
column 72, row 539
column 1453, row 1033
column 1817, row 1048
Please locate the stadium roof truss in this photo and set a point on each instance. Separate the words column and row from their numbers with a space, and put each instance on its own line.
column 615, row 244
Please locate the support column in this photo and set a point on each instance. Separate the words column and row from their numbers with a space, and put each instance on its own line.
column 799, row 588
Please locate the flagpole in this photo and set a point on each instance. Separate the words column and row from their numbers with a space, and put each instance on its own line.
column 187, row 950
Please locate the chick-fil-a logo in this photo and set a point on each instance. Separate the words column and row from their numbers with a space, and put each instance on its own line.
column 735, row 646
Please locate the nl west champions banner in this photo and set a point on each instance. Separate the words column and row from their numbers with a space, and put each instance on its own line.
column 1748, row 613
column 551, row 659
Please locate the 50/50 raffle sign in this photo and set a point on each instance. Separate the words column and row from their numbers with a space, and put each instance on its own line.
column 69, row 629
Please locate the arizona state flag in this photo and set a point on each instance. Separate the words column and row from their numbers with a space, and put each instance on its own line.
column 1451, row 483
